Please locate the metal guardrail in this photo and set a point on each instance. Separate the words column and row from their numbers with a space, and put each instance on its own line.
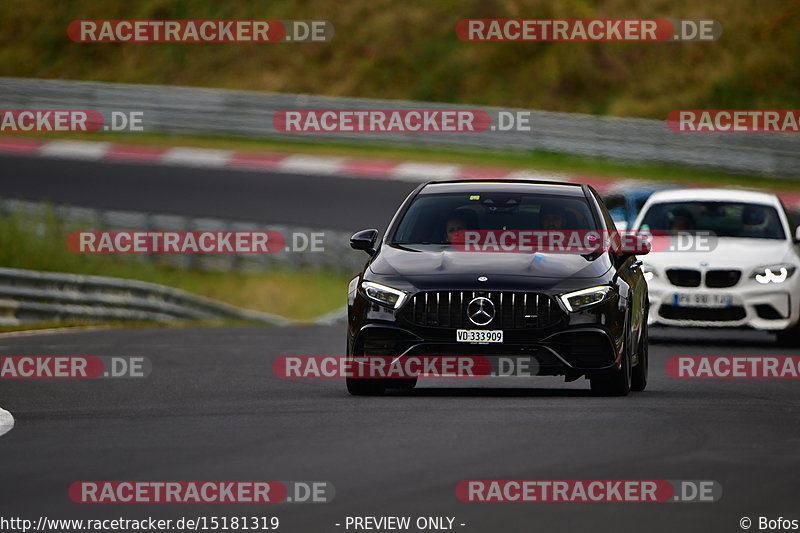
column 337, row 254
column 196, row 111
column 28, row 296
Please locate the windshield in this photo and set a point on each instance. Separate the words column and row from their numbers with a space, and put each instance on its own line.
column 435, row 218
column 724, row 219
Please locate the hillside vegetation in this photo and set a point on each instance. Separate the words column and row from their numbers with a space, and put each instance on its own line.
column 409, row 50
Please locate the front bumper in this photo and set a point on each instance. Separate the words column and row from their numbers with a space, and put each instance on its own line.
column 535, row 324
column 571, row 352
column 759, row 307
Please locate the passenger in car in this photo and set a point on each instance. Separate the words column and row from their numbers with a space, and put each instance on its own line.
column 553, row 218
column 680, row 220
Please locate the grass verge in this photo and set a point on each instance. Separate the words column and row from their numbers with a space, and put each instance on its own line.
column 40, row 244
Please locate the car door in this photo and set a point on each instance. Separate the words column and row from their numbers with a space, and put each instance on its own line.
column 630, row 282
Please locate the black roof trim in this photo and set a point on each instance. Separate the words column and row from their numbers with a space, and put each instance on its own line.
column 504, row 180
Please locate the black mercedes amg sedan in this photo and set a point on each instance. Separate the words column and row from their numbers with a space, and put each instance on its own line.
column 573, row 313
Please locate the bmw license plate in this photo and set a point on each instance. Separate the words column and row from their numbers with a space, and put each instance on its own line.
column 702, row 300
column 479, row 335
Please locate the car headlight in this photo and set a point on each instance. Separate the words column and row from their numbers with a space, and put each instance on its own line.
column 773, row 273
column 580, row 300
column 384, row 295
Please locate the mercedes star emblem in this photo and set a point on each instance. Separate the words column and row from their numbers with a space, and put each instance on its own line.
column 480, row 311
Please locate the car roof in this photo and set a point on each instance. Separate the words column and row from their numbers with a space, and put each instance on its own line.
column 714, row 195
column 503, row 185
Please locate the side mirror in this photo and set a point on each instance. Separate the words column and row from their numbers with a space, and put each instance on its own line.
column 364, row 240
column 642, row 247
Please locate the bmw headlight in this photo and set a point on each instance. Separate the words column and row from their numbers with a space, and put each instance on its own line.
column 383, row 295
column 773, row 273
column 580, row 300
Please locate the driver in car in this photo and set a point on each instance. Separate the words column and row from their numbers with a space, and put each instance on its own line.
column 458, row 222
column 754, row 221
column 453, row 226
column 551, row 218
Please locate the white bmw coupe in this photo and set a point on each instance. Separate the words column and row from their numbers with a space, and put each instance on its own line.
column 732, row 260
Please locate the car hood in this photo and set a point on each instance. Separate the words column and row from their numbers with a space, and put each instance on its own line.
column 735, row 253
column 435, row 260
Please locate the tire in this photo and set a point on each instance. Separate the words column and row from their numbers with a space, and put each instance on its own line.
column 639, row 372
column 366, row 386
column 789, row 337
column 401, row 383
column 618, row 382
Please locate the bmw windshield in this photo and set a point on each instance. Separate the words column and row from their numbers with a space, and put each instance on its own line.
column 723, row 219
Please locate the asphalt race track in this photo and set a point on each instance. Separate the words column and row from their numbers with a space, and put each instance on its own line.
column 326, row 202
column 212, row 409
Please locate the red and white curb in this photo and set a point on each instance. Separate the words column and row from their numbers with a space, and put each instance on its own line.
column 290, row 163
column 6, row 421
column 412, row 171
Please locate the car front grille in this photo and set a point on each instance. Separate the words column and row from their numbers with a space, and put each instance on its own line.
column 513, row 310
column 703, row 314
column 717, row 279
column 714, row 279
column 684, row 277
